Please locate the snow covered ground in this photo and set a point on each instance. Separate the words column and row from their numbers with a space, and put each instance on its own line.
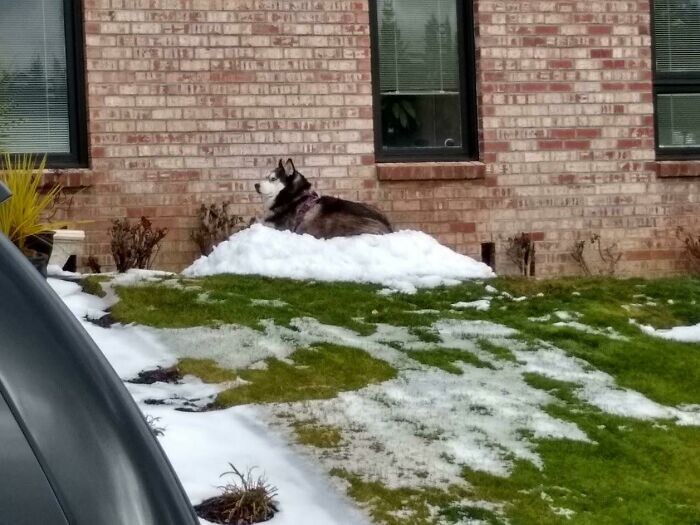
column 201, row 445
column 404, row 261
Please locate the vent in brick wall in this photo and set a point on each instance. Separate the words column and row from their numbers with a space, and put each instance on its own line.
column 488, row 254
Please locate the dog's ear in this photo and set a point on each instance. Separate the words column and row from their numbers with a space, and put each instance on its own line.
column 289, row 168
column 280, row 164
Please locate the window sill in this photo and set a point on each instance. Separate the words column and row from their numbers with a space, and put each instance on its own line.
column 72, row 180
column 678, row 168
column 404, row 171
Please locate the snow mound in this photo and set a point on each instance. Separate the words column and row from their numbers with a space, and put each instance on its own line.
column 404, row 260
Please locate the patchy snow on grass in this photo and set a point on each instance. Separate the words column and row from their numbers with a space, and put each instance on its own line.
column 201, row 445
column 137, row 276
column 598, row 388
column 420, row 429
column 683, row 334
column 424, row 427
column 403, row 261
column 563, row 315
column 607, row 332
column 480, row 305
column 273, row 303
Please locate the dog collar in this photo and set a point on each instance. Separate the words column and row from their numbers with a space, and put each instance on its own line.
column 309, row 202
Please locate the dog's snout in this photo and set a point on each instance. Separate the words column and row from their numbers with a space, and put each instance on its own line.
column 257, row 187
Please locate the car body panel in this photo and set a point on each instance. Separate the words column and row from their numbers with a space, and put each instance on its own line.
column 89, row 437
column 25, row 494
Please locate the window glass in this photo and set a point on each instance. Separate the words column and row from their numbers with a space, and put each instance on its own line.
column 419, row 74
column 679, row 120
column 34, row 108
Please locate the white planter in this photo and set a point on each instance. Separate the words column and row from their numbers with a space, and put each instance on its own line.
column 65, row 244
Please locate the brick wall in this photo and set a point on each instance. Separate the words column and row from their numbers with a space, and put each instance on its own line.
column 191, row 101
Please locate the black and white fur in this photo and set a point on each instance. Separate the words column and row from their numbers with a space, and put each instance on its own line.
column 291, row 204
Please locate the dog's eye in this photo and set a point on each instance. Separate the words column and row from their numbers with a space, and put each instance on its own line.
column 271, row 178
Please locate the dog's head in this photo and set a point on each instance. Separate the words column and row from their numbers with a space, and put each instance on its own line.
column 282, row 185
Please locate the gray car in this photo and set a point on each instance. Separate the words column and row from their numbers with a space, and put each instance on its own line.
column 74, row 447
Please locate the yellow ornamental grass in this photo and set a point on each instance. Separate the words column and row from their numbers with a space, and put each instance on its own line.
column 23, row 214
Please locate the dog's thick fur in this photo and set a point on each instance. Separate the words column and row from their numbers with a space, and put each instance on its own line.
column 291, row 204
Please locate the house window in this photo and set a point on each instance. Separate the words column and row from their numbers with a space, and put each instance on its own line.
column 423, row 78
column 41, row 86
column 677, row 77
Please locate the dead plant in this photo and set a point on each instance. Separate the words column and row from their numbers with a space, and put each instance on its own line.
column 521, row 250
column 216, row 225
column 609, row 256
column 692, row 248
column 247, row 500
column 135, row 246
column 577, row 254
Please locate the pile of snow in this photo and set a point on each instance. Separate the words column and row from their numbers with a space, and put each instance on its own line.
column 684, row 334
column 404, row 260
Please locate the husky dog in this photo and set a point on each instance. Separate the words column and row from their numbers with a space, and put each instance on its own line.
column 292, row 204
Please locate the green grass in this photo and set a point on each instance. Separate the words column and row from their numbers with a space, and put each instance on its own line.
column 319, row 436
column 634, row 472
column 666, row 371
column 92, row 284
column 319, row 372
column 205, row 369
column 445, row 358
column 497, row 351
column 415, row 506
column 406, row 505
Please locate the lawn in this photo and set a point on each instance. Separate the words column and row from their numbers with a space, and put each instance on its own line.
column 543, row 405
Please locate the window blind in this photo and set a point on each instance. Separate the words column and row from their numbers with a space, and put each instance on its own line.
column 33, row 64
column 418, row 50
column 677, row 35
column 678, row 120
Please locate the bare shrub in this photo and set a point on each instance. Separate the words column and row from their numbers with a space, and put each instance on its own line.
column 692, row 248
column 608, row 256
column 577, row 252
column 216, row 224
column 247, row 500
column 521, row 250
column 134, row 246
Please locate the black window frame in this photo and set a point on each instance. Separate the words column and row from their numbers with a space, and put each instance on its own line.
column 75, row 78
column 666, row 83
column 467, row 77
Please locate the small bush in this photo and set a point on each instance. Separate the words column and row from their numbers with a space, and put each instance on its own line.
column 25, row 214
column 135, row 246
column 692, row 248
column 243, row 502
column 216, row 225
